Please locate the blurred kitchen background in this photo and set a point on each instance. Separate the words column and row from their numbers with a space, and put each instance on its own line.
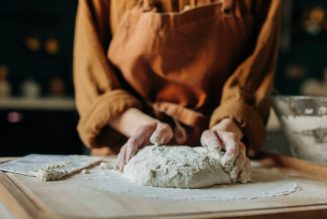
column 37, row 111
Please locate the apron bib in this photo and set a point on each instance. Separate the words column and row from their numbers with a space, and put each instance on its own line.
column 173, row 59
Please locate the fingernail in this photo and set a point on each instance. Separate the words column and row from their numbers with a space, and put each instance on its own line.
column 228, row 162
column 153, row 140
column 156, row 140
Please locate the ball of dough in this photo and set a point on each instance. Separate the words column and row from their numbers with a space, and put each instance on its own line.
column 175, row 166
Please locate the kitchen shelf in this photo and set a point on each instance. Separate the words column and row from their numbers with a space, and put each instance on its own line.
column 50, row 103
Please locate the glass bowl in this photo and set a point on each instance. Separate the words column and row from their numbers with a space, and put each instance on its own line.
column 304, row 124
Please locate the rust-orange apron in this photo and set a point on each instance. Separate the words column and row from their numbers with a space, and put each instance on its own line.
column 181, row 53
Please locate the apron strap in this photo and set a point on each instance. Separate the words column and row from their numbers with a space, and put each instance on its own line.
column 193, row 3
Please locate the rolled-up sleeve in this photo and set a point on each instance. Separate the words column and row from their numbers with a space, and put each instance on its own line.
column 245, row 96
column 99, row 96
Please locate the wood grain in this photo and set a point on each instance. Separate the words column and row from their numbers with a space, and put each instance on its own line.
column 310, row 169
column 5, row 159
column 17, row 200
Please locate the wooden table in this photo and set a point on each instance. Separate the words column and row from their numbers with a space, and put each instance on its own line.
column 27, row 198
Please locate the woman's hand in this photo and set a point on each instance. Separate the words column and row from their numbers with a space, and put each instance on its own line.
column 142, row 130
column 226, row 136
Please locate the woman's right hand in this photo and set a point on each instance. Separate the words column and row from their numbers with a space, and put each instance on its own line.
column 152, row 132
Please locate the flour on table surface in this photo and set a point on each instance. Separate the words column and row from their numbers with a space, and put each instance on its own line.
column 105, row 165
column 85, row 171
column 267, row 184
column 249, row 191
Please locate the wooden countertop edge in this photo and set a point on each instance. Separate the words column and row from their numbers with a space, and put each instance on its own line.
column 5, row 159
column 310, row 169
column 307, row 212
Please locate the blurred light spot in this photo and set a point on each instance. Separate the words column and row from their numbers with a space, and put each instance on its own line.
column 15, row 117
column 52, row 46
column 317, row 15
column 294, row 71
column 33, row 43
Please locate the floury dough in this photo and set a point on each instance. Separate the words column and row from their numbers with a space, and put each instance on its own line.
column 52, row 172
column 176, row 166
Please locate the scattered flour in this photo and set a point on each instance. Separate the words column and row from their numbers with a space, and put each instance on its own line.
column 85, row 171
column 105, row 165
column 266, row 185
column 53, row 171
column 176, row 166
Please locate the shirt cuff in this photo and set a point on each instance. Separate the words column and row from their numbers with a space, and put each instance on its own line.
column 247, row 118
column 93, row 125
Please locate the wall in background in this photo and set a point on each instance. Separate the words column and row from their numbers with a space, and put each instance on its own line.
column 302, row 65
column 36, row 39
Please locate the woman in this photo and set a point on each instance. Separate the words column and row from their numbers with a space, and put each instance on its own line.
column 185, row 72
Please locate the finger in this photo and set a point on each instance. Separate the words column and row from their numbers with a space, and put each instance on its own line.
column 138, row 140
column 231, row 146
column 131, row 149
column 143, row 133
column 210, row 139
column 132, row 145
column 239, row 164
column 162, row 134
column 244, row 175
column 120, row 161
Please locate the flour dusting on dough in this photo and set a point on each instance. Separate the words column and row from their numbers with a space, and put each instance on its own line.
column 176, row 166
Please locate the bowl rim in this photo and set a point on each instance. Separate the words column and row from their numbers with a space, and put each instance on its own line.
column 297, row 97
column 277, row 99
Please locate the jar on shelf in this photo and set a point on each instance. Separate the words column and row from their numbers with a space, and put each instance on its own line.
column 56, row 87
column 5, row 87
column 315, row 20
column 31, row 89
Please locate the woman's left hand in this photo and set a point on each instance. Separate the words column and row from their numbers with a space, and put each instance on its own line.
column 226, row 136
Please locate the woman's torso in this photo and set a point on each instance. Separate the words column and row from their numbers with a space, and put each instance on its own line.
column 178, row 61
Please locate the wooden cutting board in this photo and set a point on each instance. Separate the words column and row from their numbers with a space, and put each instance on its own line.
column 29, row 198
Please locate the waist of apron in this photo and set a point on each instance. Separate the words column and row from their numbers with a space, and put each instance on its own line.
column 186, row 116
column 192, row 122
column 227, row 5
